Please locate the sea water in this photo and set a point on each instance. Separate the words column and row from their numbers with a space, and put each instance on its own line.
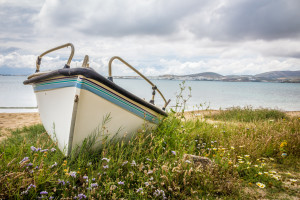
column 204, row 94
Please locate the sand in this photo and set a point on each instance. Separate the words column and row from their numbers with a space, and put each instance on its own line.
column 12, row 121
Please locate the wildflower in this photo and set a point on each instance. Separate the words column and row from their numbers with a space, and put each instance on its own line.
column 151, row 178
column 73, row 174
column 173, row 152
column 55, row 164
column 214, row 149
column 146, row 183
column 293, row 180
column 29, row 164
column 187, row 161
column 53, row 149
column 150, row 172
column 124, row 163
column 33, row 148
column 105, row 166
column 133, row 163
column 241, row 161
column 247, row 156
column 61, row 182
column 139, row 190
column 259, row 173
column 121, row 183
column 94, row 185
column 158, row 193
column 51, row 197
column 44, row 150
column 283, row 144
column 255, row 165
column 85, row 177
column 24, row 159
column 148, row 159
column 44, row 193
column 232, row 147
column 81, row 196
column 261, row 185
column 93, row 179
column 106, row 159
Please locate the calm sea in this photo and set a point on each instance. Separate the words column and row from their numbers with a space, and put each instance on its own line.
column 205, row 94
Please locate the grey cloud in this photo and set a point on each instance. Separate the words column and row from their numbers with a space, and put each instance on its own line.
column 120, row 18
column 251, row 20
column 16, row 22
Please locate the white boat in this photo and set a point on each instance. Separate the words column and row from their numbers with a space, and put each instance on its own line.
column 75, row 103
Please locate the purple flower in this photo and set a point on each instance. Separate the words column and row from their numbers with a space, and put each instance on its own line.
column 105, row 166
column 124, row 163
column 133, row 163
column 73, row 174
column 29, row 164
column 24, row 159
column 61, row 182
column 33, row 148
column 146, row 183
column 51, row 197
column 121, row 183
column 93, row 179
column 85, row 177
column 173, row 152
column 107, row 160
column 53, row 149
column 44, row 150
column 139, row 190
column 94, row 185
column 81, row 196
column 55, row 164
column 44, row 193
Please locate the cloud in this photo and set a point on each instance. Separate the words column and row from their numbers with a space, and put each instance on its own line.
column 157, row 37
column 247, row 20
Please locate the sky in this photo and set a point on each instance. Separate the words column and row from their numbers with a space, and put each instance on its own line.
column 158, row 37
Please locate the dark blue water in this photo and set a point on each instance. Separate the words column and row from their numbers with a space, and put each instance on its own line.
column 209, row 94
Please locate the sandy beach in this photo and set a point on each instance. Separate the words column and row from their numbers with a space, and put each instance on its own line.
column 11, row 121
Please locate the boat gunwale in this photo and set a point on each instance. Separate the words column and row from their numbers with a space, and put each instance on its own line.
column 91, row 74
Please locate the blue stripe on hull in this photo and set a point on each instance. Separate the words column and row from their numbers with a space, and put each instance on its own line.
column 99, row 91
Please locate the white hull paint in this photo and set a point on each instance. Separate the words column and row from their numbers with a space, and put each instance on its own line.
column 71, row 114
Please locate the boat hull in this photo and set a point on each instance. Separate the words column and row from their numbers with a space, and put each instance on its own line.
column 75, row 108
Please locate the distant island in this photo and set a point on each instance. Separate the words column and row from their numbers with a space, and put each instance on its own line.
column 273, row 76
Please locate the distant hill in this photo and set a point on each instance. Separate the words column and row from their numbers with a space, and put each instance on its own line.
column 205, row 74
column 273, row 76
column 279, row 74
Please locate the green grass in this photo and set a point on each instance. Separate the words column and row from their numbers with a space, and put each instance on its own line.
column 151, row 164
column 249, row 114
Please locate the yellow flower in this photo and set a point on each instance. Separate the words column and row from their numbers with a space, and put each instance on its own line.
column 246, row 156
column 65, row 170
column 259, row 173
column 261, row 185
column 232, row 147
column 283, row 144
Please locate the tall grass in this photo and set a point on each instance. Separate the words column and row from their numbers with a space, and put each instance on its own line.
column 152, row 164
column 249, row 114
